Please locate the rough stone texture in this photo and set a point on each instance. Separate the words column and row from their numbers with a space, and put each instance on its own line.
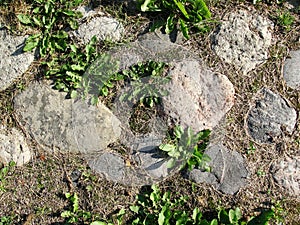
column 198, row 98
column 13, row 147
column 13, row 61
column 58, row 122
column 104, row 28
column 291, row 70
column 287, row 174
column 269, row 117
column 243, row 39
column 228, row 173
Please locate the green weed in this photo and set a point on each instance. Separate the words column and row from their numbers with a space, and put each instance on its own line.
column 187, row 148
column 285, row 19
column 6, row 220
column 185, row 14
column 3, row 175
column 160, row 208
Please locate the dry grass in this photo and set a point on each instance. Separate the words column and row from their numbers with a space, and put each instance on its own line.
column 35, row 193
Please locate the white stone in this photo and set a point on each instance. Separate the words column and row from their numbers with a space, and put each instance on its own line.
column 13, row 61
column 13, row 147
column 104, row 28
column 243, row 40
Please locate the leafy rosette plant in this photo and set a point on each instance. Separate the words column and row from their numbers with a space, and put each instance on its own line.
column 187, row 14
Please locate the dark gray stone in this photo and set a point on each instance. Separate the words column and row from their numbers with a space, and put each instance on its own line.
column 286, row 173
column 69, row 125
column 269, row 117
column 291, row 70
column 14, row 62
column 228, row 172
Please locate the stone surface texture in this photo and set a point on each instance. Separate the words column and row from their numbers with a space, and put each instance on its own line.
column 291, row 70
column 269, row 117
column 13, row 147
column 13, row 61
column 63, row 123
column 287, row 174
column 103, row 27
column 197, row 97
column 243, row 39
column 228, row 172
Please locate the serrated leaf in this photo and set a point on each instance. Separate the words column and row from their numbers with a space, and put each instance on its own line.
column 66, row 214
column 184, row 29
column 24, row 18
column 170, row 24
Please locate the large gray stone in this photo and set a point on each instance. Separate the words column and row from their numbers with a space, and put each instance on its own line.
column 243, row 39
column 287, row 174
column 228, row 172
column 103, row 27
column 13, row 147
column 291, row 70
column 64, row 123
column 13, row 61
column 269, row 117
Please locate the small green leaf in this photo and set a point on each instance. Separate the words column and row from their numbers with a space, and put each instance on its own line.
column 144, row 6
column 77, row 67
column 31, row 42
column 36, row 10
column 170, row 24
column 182, row 8
column 69, row 13
column 94, row 100
column 37, row 21
column 171, row 163
column 66, row 214
column 24, row 19
column 134, row 208
column 167, row 147
column 73, row 94
column 214, row 222
column 184, row 29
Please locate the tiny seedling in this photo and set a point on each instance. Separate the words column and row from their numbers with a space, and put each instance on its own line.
column 187, row 148
column 251, row 149
column 285, row 19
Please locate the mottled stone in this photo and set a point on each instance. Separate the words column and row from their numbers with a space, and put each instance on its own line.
column 103, row 27
column 13, row 147
column 198, row 97
column 286, row 173
column 228, row 170
column 14, row 62
column 291, row 70
column 270, row 117
column 243, row 39
column 69, row 125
